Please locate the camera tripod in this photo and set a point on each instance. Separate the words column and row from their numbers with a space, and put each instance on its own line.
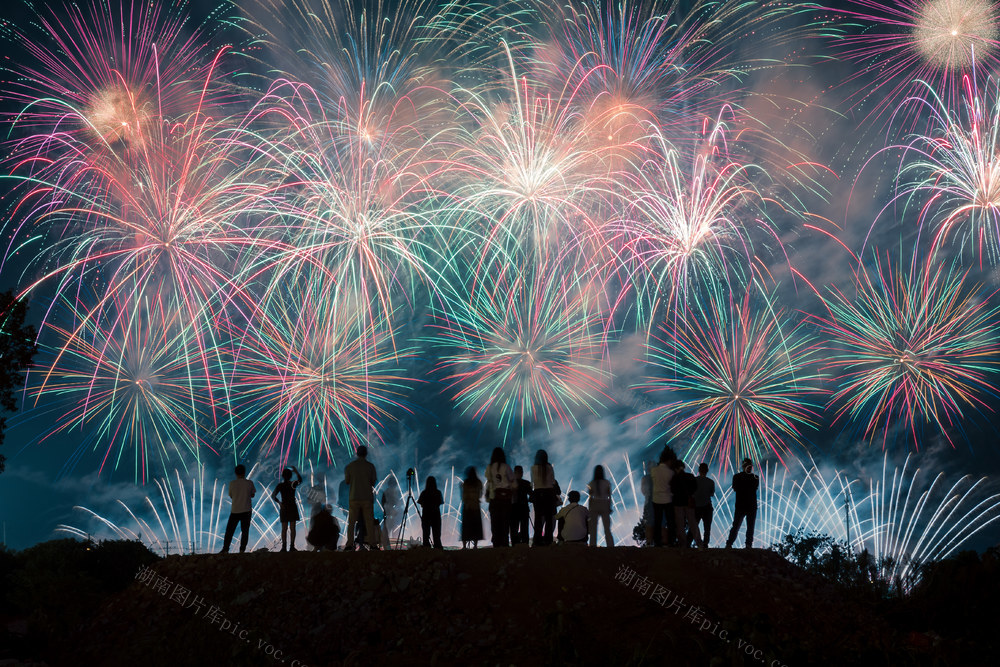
column 410, row 474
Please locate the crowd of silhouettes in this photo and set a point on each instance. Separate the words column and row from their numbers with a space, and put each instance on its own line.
column 678, row 509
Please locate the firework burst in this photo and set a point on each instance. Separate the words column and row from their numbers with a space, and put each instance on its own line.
column 956, row 171
column 935, row 41
column 911, row 348
column 348, row 218
column 525, row 170
column 102, row 75
column 312, row 378
column 739, row 382
column 685, row 220
column 127, row 383
column 524, row 347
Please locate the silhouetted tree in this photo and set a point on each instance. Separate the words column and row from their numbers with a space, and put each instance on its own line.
column 17, row 347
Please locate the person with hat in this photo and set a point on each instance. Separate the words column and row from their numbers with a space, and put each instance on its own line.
column 745, row 485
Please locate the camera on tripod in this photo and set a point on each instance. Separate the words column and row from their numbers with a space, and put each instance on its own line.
column 411, row 474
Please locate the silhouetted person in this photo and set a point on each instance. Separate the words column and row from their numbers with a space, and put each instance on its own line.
column 745, row 489
column 543, row 496
column 472, row 517
column 241, row 490
column 573, row 520
column 663, row 498
column 682, row 487
column 520, row 509
column 288, row 511
column 325, row 531
column 600, row 506
column 360, row 476
column 430, row 519
column 500, row 494
column 703, row 492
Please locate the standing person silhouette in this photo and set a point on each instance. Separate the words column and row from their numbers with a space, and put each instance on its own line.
column 600, row 506
column 360, row 476
column 430, row 519
column 520, row 510
column 682, row 487
column 543, row 495
column 745, row 486
column 288, row 512
column 241, row 490
column 663, row 499
column 500, row 494
column 704, row 490
column 472, row 518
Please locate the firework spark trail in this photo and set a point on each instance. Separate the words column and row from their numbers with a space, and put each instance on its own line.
column 911, row 527
column 912, row 348
column 352, row 220
column 953, row 171
column 684, row 221
column 737, row 383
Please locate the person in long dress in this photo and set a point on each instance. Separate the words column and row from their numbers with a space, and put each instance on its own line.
column 543, row 495
column 472, row 518
column 599, row 505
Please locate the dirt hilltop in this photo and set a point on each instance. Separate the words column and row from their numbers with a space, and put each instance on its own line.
column 560, row 605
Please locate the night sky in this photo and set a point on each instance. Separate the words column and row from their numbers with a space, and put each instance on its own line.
column 811, row 97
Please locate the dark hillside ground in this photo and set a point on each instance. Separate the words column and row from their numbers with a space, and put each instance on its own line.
column 561, row 605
